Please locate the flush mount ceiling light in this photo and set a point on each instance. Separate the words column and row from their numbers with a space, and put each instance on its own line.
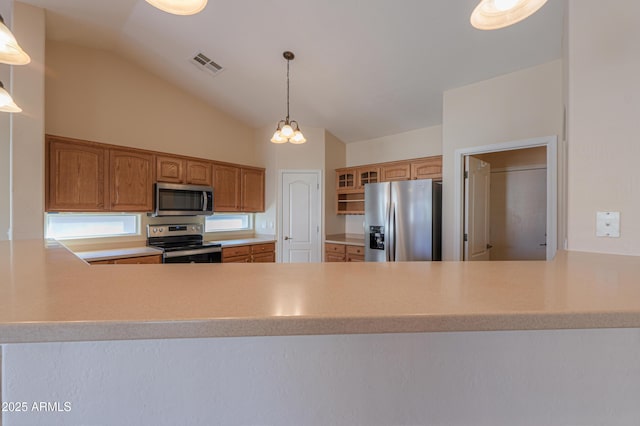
column 495, row 14
column 6, row 101
column 179, row 7
column 10, row 52
column 288, row 131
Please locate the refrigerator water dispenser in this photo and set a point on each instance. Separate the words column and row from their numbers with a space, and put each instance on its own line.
column 376, row 237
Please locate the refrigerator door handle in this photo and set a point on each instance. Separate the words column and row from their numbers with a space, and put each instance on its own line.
column 387, row 251
column 392, row 232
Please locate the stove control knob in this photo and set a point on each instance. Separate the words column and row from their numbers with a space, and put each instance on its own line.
column 155, row 230
column 193, row 228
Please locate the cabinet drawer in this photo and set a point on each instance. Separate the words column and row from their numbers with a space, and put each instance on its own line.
column 268, row 257
column 139, row 260
column 334, row 248
column 235, row 251
column 334, row 257
column 355, row 257
column 237, row 259
column 263, row 248
column 355, row 250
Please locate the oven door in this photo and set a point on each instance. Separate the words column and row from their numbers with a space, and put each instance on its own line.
column 208, row 255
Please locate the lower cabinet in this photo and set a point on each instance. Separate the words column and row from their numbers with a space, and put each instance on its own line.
column 252, row 253
column 156, row 258
column 343, row 253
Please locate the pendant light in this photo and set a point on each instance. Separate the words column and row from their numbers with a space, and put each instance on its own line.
column 10, row 51
column 288, row 131
column 179, row 7
column 495, row 14
column 6, row 101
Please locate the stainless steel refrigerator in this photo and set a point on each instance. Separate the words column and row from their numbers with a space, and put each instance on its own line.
column 403, row 221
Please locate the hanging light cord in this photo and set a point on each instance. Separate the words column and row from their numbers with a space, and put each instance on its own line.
column 288, row 60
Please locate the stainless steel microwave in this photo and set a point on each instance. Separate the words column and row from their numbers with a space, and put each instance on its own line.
column 172, row 199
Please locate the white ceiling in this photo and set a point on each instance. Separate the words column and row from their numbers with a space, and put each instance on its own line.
column 363, row 68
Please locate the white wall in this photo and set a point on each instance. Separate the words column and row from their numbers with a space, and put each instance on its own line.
column 603, row 124
column 561, row 377
column 521, row 105
column 423, row 142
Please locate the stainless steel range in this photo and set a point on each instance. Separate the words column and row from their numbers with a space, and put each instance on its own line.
column 183, row 244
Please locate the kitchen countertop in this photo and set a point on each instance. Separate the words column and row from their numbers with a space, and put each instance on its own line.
column 48, row 294
column 350, row 239
column 119, row 253
column 244, row 241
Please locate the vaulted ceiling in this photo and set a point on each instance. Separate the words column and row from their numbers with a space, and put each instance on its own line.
column 363, row 68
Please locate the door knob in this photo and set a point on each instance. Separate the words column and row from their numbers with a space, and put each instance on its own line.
column 287, row 238
column 489, row 246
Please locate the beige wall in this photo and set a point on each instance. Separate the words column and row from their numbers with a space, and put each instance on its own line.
column 335, row 157
column 97, row 95
column 521, row 105
column 603, row 123
column 276, row 157
column 5, row 138
column 414, row 144
column 27, row 220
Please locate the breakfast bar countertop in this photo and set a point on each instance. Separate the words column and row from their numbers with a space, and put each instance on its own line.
column 49, row 294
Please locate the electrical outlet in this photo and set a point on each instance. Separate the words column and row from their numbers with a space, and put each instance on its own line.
column 608, row 224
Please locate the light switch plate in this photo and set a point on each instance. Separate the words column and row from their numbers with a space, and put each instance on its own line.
column 608, row 224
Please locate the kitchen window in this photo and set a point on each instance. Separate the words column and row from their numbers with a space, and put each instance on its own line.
column 86, row 225
column 220, row 222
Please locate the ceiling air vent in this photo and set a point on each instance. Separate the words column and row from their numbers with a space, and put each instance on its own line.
column 203, row 63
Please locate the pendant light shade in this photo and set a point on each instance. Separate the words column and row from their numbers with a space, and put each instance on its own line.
column 6, row 101
column 10, row 51
column 495, row 14
column 288, row 130
column 179, row 7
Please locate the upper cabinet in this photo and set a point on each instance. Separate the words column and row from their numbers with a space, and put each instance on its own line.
column 428, row 168
column 350, row 182
column 84, row 176
column 199, row 173
column 226, row 188
column 76, row 176
column 174, row 169
column 252, row 190
column 130, row 180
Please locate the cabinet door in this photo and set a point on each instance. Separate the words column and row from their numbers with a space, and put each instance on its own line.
column 268, row 257
column 169, row 169
column 76, row 178
column 400, row 171
column 355, row 254
column 199, row 173
column 252, row 190
column 130, row 181
column 428, row 168
column 367, row 175
column 238, row 254
column 345, row 179
column 226, row 188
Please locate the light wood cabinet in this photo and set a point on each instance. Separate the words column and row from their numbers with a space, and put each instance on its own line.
column 252, row 190
column 345, row 179
column 130, row 181
column 198, row 173
column 251, row 253
column 169, row 169
column 343, row 253
column 397, row 171
column 226, row 188
column 428, row 168
column 367, row 175
column 76, row 176
column 140, row 260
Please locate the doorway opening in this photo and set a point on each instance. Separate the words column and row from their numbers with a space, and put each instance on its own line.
column 506, row 201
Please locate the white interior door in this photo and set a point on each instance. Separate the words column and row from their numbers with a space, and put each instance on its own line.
column 300, row 216
column 477, row 190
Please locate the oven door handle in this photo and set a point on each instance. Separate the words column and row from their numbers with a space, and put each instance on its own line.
column 180, row 253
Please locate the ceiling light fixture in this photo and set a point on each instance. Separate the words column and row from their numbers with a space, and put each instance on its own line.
column 495, row 14
column 179, row 7
column 288, row 131
column 6, row 101
column 10, row 52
